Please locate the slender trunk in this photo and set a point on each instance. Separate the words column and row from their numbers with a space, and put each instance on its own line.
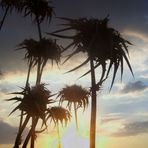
column 42, row 67
column 34, row 122
column 38, row 71
column 31, row 132
column 39, row 27
column 93, row 107
column 28, row 74
column 18, row 138
column 59, row 138
column 27, row 83
column 4, row 17
column 39, row 59
column 76, row 118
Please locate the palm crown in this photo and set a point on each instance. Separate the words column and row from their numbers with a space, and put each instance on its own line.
column 102, row 44
column 34, row 101
column 28, row 7
column 74, row 94
column 33, row 7
column 44, row 49
column 57, row 114
column 12, row 4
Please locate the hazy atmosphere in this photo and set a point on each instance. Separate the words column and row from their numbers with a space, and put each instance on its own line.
column 122, row 113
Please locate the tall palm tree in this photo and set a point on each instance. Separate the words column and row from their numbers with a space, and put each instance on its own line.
column 75, row 95
column 45, row 49
column 105, row 48
column 34, row 104
column 58, row 114
column 39, row 10
column 9, row 6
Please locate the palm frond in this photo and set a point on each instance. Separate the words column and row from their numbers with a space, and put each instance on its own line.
column 57, row 114
column 74, row 94
column 84, row 63
column 40, row 9
column 102, row 43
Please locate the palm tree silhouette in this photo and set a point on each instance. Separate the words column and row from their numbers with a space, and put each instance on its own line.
column 75, row 95
column 33, row 104
column 105, row 48
column 39, row 10
column 45, row 49
column 58, row 114
column 9, row 6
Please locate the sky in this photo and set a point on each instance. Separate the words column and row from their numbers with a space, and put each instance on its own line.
column 122, row 114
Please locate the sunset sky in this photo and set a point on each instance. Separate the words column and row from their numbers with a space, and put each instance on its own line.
column 122, row 115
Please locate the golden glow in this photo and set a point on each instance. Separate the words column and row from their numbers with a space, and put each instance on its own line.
column 46, row 141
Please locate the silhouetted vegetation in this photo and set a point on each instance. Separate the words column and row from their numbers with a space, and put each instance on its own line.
column 105, row 48
column 75, row 95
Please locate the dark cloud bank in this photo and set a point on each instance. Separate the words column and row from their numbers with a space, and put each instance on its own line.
column 132, row 129
column 7, row 133
column 134, row 87
column 124, row 14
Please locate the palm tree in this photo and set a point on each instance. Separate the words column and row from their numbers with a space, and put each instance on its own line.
column 45, row 49
column 105, row 48
column 39, row 10
column 75, row 95
column 33, row 104
column 58, row 114
column 9, row 6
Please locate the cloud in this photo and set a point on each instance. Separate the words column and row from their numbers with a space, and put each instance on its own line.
column 134, row 87
column 138, row 35
column 7, row 133
column 132, row 129
column 110, row 118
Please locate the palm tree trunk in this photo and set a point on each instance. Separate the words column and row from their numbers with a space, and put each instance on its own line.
column 28, row 74
column 27, row 140
column 4, row 17
column 34, row 123
column 27, row 82
column 59, row 138
column 93, row 106
column 38, row 72
column 39, row 28
column 31, row 132
column 18, row 138
column 39, row 60
column 76, row 118
column 42, row 68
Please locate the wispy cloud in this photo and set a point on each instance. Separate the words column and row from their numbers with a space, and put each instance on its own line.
column 137, row 86
column 135, row 34
column 111, row 118
column 132, row 129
